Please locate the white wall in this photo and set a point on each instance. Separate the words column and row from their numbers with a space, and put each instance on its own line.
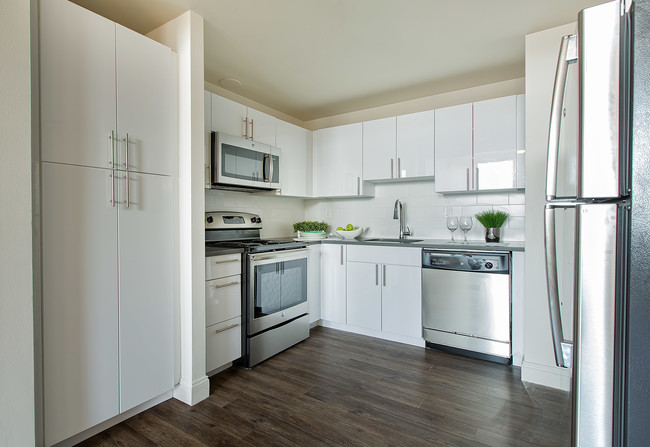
column 278, row 213
column 425, row 211
column 16, row 288
column 185, row 36
column 541, row 58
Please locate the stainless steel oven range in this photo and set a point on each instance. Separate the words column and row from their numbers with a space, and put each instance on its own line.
column 274, row 284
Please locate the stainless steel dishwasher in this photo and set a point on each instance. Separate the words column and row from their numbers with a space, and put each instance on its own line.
column 466, row 303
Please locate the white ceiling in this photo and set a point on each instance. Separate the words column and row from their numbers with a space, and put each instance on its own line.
column 316, row 58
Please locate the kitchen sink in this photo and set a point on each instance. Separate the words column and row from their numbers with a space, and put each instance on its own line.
column 388, row 239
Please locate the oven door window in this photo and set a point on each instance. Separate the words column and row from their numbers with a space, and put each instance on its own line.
column 280, row 286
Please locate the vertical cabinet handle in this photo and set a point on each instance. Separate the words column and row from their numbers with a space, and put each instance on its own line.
column 112, row 163
column 399, row 167
column 341, row 254
column 126, row 152
column 384, row 274
column 467, row 175
column 391, row 168
column 358, row 186
column 112, row 138
column 127, row 202
column 477, row 188
column 252, row 129
column 376, row 274
column 245, row 133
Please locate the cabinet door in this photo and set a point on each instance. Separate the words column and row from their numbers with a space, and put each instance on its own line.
column 333, row 283
column 364, row 295
column 521, row 141
column 338, row 161
column 207, row 137
column 295, row 143
column 379, row 149
column 495, row 143
column 146, row 289
column 415, row 145
column 77, row 84
column 144, row 103
column 228, row 116
column 401, row 300
column 80, row 308
column 453, row 151
column 313, row 283
column 261, row 127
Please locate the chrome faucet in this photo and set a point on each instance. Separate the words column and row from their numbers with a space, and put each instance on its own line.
column 398, row 213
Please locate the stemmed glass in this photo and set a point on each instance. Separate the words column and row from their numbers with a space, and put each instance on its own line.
column 452, row 225
column 466, row 225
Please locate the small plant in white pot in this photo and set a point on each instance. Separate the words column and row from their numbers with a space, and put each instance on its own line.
column 311, row 229
column 492, row 221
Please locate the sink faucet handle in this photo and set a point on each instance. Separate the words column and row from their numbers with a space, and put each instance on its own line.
column 407, row 232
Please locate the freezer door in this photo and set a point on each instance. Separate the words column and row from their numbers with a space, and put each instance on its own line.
column 599, row 64
column 595, row 336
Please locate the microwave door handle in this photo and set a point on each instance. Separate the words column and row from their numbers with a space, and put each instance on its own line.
column 266, row 157
column 556, row 115
column 270, row 168
column 563, row 349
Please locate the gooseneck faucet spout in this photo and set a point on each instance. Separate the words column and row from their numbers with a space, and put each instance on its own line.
column 398, row 214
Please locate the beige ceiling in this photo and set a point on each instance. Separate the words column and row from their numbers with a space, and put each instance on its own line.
column 316, row 58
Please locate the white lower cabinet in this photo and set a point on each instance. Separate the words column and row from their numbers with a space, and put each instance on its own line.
column 374, row 289
column 107, row 295
column 223, row 310
column 333, row 285
column 313, row 283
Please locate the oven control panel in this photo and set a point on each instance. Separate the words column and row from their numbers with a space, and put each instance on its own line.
column 224, row 220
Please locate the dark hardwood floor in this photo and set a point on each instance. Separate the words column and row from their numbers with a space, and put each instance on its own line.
column 337, row 388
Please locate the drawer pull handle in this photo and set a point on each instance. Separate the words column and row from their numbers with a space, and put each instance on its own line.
column 224, row 329
column 227, row 261
column 228, row 284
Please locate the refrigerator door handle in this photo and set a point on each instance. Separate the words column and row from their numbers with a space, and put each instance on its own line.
column 567, row 55
column 563, row 349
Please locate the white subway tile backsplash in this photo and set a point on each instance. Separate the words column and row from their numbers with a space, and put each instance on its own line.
column 425, row 210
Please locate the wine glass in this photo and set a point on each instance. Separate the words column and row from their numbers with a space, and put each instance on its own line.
column 452, row 225
column 466, row 225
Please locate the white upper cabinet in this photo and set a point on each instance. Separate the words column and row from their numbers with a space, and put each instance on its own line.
column 228, row 116
column 77, row 81
column 495, row 143
column 453, row 148
column 399, row 147
column 295, row 161
column 338, row 162
column 415, row 145
column 479, row 146
column 144, row 103
column 261, row 127
column 238, row 120
column 521, row 141
column 379, row 149
column 100, row 79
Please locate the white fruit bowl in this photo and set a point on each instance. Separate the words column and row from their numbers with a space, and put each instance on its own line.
column 349, row 234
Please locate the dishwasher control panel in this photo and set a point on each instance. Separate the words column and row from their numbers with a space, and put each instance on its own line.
column 466, row 261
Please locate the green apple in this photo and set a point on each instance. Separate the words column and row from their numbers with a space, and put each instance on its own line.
column 339, row 228
column 349, row 227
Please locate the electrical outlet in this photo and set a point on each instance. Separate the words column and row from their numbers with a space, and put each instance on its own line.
column 445, row 212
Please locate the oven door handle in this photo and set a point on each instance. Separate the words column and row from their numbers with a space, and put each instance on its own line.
column 280, row 255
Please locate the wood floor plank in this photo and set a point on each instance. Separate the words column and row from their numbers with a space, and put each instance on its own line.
column 343, row 389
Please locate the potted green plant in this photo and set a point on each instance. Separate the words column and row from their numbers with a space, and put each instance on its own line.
column 311, row 228
column 492, row 221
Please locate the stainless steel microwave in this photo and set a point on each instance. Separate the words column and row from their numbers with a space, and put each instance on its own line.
column 241, row 163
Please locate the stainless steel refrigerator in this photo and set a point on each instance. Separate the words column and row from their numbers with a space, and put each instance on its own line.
column 596, row 223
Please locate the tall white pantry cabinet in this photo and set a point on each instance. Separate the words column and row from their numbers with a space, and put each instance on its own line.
column 107, row 218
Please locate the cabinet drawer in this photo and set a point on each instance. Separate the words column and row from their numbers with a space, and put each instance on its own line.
column 222, row 343
column 385, row 255
column 222, row 299
column 221, row 266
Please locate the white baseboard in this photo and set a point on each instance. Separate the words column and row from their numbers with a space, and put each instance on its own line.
column 376, row 334
column 92, row 431
column 551, row 376
column 192, row 393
